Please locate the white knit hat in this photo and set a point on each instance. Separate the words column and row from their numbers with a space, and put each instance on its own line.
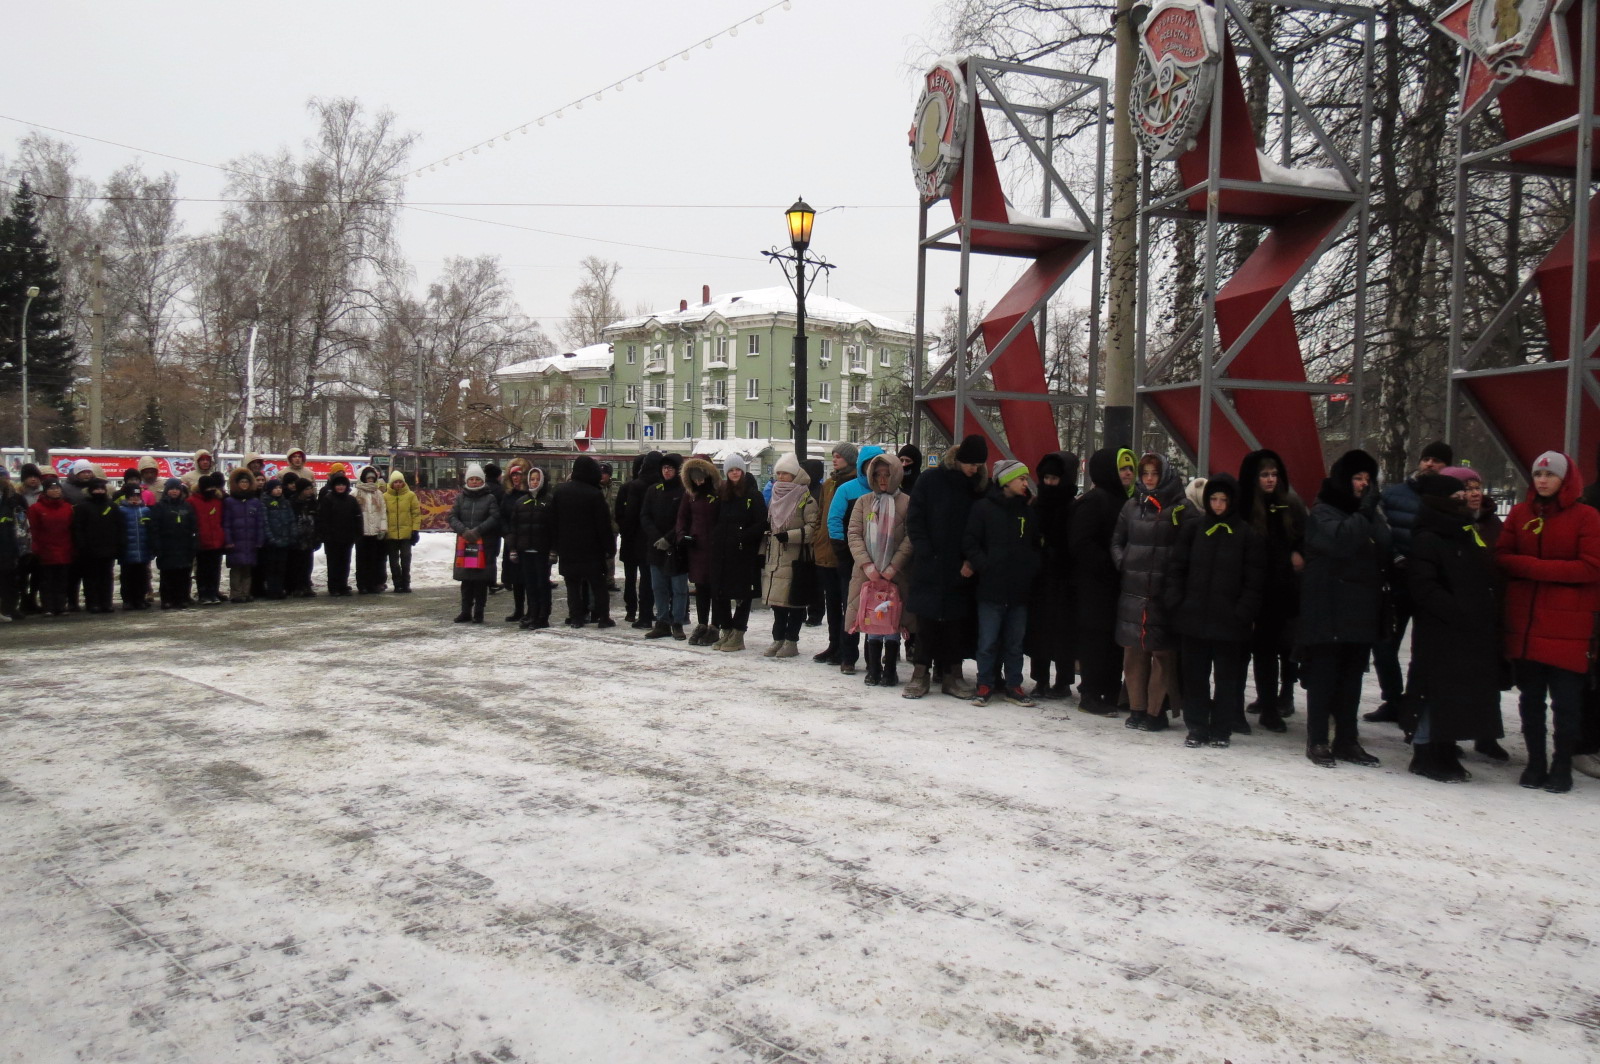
column 473, row 470
column 1554, row 461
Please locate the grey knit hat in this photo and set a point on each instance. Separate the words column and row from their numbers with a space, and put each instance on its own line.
column 849, row 452
column 735, row 461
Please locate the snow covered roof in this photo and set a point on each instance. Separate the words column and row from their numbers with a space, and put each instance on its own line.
column 593, row 357
column 720, row 449
column 761, row 302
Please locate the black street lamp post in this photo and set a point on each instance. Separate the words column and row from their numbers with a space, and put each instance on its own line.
column 800, row 269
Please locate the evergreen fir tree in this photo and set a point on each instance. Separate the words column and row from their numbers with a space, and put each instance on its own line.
column 25, row 261
column 153, row 432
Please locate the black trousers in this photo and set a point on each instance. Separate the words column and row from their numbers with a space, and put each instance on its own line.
column 833, row 600
column 208, row 574
column 53, row 588
column 135, row 584
column 731, row 613
column 99, row 582
column 786, row 622
column 271, row 570
column 336, row 556
column 849, row 643
column 474, row 596
column 175, row 586
column 297, row 565
column 941, row 645
column 1392, row 682
column 1273, row 657
column 702, row 603
column 1210, row 712
column 74, row 582
column 370, row 554
column 8, row 591
column 28, row 583
column 1101, row 661
column 588, row 597
column 534, row 574
column 1333, row 691
column 637, row 594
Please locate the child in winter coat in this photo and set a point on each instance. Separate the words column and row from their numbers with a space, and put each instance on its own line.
column 527, row 536
column 1214, row 591
column 404, row 529
column 1142, row 544
column 272, row 561
column 15, row 544
column 1002, row 548
column 338, row 527
column 244, row 522
column 475, row 519
column 97, row 540
column 697, row 516
column 177, row 538
column 736, row 553
column 792, row 522
column 138, row 546
column 880, row 550
column 372, row 547
column 212, row 539
column 50, row 525
column 301, row 555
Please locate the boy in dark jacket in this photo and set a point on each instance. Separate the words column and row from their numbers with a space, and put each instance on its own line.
column 1214, row 589
column 301, row 556
column 176, row 537
column 1096, row 584
column 138, row 545
column 272, row 561
column 338, row 527
column 658, row 520
column 1002, row 548
column 97, row 540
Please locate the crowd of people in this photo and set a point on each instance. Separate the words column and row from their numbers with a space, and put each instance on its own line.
column 1157, row 599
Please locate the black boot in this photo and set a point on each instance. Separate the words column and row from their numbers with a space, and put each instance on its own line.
column 518, row 602
column 891, row 658
column 465, row 616
column 1538, row 771
column 480, row 600
column 874, row 656
column 1560, row 779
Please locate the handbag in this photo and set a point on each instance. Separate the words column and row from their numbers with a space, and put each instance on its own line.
column 470, row 555
column 878, row 609
column 803, row 577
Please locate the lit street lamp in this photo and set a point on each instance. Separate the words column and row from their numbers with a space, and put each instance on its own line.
column 33, row 290
column 806, row 269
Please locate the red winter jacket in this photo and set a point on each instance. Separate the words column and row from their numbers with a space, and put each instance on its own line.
column 208, row 522
column 50, row 523
column 1549, row 551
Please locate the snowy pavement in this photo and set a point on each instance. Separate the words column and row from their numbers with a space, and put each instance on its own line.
column 353, row 831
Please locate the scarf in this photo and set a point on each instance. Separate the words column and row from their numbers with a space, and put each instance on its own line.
column 878, row 529
column 786, row 498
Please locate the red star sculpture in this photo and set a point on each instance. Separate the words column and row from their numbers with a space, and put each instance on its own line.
column 1507, row 39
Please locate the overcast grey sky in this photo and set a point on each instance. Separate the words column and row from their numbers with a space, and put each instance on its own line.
column 814, row 102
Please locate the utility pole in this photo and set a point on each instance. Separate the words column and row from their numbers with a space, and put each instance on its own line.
column 97, row 346
column 1122, row 275
column 416, row 400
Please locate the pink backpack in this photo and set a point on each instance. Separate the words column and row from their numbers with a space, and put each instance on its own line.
column 878, row 609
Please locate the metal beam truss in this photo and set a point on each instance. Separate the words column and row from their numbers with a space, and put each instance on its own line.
column 1545, row 133
column 1228, row 377
column 1048, row 114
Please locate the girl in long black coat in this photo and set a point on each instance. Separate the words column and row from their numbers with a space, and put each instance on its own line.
column 1270, row 505
column 1452, row 576
column 736, row 538
column 1214, row 590
column 580, row 524
column 1096, row 583
column 1050, row 611
column 526, row 518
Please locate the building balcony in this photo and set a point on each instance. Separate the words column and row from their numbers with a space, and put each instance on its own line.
column 654, row 409
column 859, row 368
column 716, row 406
column 717, row 365
column 856, row 409
column 656, row 366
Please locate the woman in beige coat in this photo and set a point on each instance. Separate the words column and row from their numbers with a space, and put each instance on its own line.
column 882, row 552
column 792, row 518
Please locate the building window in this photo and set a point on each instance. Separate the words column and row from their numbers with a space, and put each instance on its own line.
column 558, row 429
column 719, row 430
column 633, row 354
column 822, row 432
column 722, row 349
column 825, row 392
column 688, row 350
column 883, row 357
column 825, row 351
column 719, row 390
column 752, row 344
column 632, row 396
column 856, row 359
column 688, row 431
column 633, row 430
column 858, row 393
column 658, row 394
column 752, row 430
column 582, row 395
column 603, row 396
column 688, row 391
column 752, row 388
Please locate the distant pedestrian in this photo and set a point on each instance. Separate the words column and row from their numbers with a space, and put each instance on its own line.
column 50, row 526
column 697, row 517
column 176, row 543
column 880, row 553
column 273, row 560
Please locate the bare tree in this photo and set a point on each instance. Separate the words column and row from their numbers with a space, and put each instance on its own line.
column 594, row 302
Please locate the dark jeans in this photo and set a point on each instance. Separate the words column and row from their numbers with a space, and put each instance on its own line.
column 938, row 645
column 1101, row 661
column 174, row 586
column 400, row 565
column 270, row 570
column 208, row 574
column 786, row 622
column 534, row 572
column 1537, row 683
column 336, row 556
column 370, row 554
column 849, row 643
column 671, row 595
column 731, row 613
column 702, row 603
column 297, row 569
column 833, row 600
column 1212, row 715
column 1333, row 691
column 99, row 581
column 1001, row 630
column 588, row 597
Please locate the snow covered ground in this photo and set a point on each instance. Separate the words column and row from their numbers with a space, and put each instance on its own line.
column 353, row 831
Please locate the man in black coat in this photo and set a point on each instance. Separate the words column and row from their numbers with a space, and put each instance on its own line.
column 338, row 529
column 941, row 580
column 1050, row 640
column 1097, row 584
column 658, row 524
column 637, row 595
column 579, row 527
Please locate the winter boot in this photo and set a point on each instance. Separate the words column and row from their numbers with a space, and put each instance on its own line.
column 1272, row 720
column 660, row 631
column 1538, row 771
column 722, row 637
column 1560, row 778
column 788, row 649
column 1353, row 753
column 917, row 686
column 1491, row 749
column 1241, row 724
column 1286, row 701
column 829, row 655
column 642, row 623
column 874, row 662
column 772, row 651
column 1320, row 756
column 1387, row 713
column 677, row 632
column 955, row 686
column 891, row 658
column 735, row 641
column 519, row 603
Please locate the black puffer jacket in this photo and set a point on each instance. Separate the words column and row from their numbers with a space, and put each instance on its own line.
column 630, row 504
column 1142, row 544
column 97, row 526
column 1050, row 608
column 339, row 515
column 1456, row 613
column 736, row 541
column 1280, row 519
column 936, row 521
column 580, row 522
column 1002, row 546
column 1096, row 583
column 1218, row 571
column 527, row 518
column 1347, row 553
column 658, row 516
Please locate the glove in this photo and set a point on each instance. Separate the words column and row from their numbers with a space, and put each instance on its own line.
column 686, row 541
column 781, row 537
column 662, row 544
column 415, row 536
